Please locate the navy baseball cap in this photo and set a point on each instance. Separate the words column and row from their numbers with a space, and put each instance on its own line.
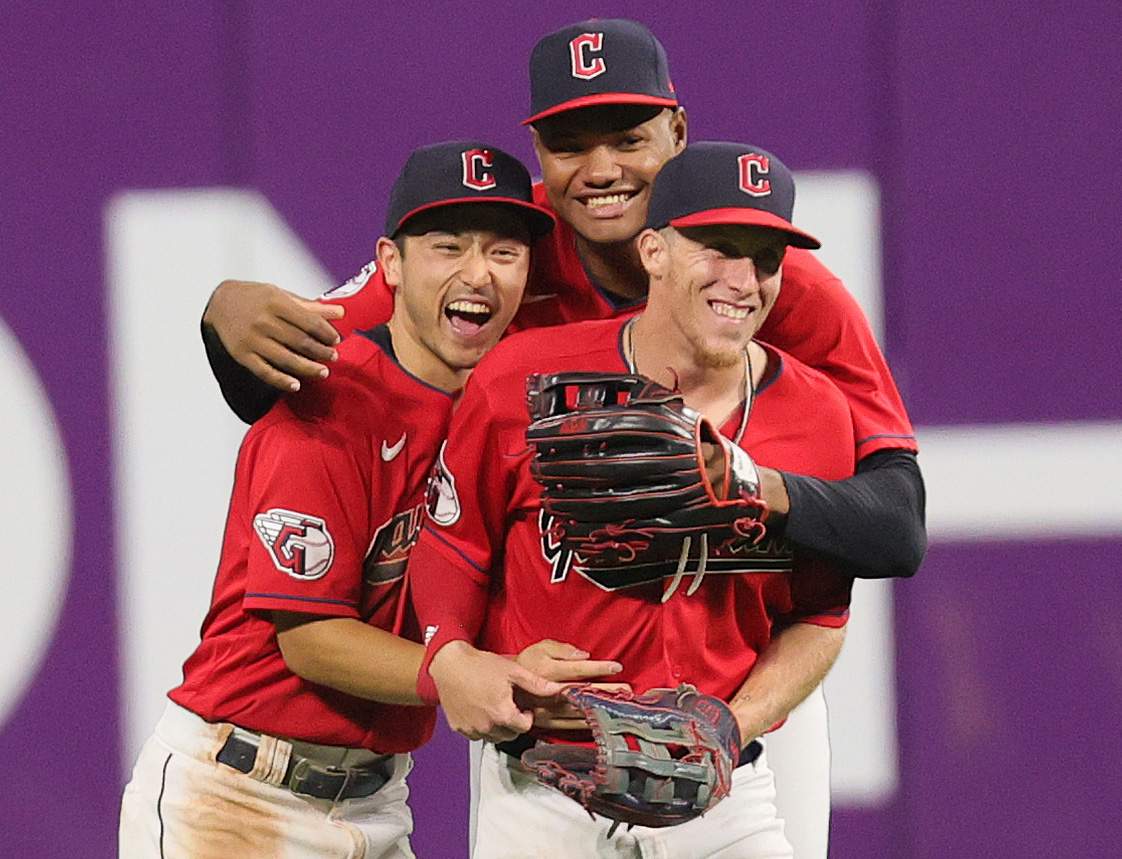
column 463, row 171
column 726, row 183
column 613, row 61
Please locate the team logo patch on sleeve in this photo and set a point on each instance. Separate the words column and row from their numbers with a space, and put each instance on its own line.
column 299, row 545
column 355, row 284
column 442, row 501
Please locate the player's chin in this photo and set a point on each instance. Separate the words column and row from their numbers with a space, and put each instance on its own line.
column 465, row 351
column 718, row 353
column 607, row 231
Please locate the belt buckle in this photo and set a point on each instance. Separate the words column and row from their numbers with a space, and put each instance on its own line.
column 304, row 767
column 296, row 779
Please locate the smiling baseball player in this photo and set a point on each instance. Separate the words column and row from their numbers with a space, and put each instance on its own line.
column 290, row 734
column 512, row 557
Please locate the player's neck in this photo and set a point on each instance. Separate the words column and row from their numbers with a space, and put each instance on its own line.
column 671, row 360
column 419, row 361
column 614, row 267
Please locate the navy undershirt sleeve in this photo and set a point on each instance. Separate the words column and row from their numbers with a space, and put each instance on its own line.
column 872, row 524
column 244, row 393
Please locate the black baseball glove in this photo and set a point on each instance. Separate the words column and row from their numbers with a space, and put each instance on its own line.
column 635, row 483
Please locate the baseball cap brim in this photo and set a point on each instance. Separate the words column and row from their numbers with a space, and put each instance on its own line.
column 602, row 98
column 750, row 217
column 539, row 220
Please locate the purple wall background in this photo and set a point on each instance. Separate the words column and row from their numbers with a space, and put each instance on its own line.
column 989, row 127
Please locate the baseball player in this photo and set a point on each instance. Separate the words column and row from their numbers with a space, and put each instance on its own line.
column 605, row 118
column 291, row 732
column 759, row 625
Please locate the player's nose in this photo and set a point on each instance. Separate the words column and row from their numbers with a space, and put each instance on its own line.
column 475, row 271
column 741, row 274
column 601, row 166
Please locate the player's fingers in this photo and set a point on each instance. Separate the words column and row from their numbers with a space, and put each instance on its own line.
column 559, row 721
column 530, row 682
column 583, row 669
column 264, row 371
column 541, row 656
column 311, row 317
column 612, row 687
column 560, row 649
column 282, row 358
column 296, row 340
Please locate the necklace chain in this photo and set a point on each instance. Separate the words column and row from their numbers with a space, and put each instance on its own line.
column 749, row 382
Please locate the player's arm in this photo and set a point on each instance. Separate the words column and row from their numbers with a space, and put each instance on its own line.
column 276, row 336
column 450, row 572
column 870, row 525
column 794, row 662
column 347, row 654
column 484, row 696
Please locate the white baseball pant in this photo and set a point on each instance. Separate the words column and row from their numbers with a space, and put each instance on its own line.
column 799, row 757
column 182, row 804
column 521, row 818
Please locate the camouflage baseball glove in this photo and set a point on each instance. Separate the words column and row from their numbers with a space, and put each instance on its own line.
column 661, row 758
column 635, row 483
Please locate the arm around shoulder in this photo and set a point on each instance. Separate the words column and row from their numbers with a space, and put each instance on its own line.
column 261, row 339
column 872, row 525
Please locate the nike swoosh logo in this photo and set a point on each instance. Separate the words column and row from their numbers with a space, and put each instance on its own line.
column 530, row 299
column 389, row 454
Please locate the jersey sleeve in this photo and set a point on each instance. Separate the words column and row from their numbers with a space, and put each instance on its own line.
column 817, row 320
column 818, row 594
column 469, row 494
column 307, row 491
column 366, row 299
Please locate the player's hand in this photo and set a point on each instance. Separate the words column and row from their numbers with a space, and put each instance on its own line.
column 476, row 691
column 277, row 336
column 555, row 660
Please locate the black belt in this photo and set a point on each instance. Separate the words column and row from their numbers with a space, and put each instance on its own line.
column 305, row 776
column 520, row 744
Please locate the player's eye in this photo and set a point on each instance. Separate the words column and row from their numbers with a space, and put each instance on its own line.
column 728, row 251
column 564, row 147
column 768, row 260
column 507, row 253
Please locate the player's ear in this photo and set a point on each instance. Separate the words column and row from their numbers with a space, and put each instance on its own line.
column 652, row 253
column 679, row 128
column 389, row 258
column 539, row 147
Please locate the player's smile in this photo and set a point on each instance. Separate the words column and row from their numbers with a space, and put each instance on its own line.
column 608, row 204
column 467, row 316
column 732, row 312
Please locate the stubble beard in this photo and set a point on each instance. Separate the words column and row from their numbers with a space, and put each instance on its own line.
column 718, row 359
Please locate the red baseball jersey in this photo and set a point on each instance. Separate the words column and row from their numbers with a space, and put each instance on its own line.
column 328, row 501
column 815, row 319
column 486, row 568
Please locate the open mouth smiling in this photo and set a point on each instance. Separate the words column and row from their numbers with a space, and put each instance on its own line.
column 466, row 316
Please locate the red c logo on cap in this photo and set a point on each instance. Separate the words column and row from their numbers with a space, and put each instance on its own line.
column 753, row 169
column 582, row 66
column 477, row 163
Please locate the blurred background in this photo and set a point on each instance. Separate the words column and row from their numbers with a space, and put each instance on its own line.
column 963, row 157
